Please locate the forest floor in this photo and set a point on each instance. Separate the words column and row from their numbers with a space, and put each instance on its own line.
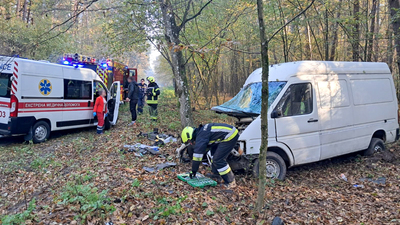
column 77, row 177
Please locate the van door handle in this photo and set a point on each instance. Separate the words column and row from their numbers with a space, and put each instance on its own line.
column 312, row 120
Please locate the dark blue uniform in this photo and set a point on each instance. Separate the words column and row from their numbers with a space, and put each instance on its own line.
column 221, row 138
column 142, row 89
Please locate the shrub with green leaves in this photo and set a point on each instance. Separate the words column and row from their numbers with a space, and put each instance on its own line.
column 20, row 218
column 91, row 202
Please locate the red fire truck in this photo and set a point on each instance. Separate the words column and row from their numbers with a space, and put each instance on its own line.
column 109, row 70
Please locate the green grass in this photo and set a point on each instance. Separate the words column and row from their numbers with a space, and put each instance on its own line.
column 90, row 202
column 168, row 206
column 20, row 218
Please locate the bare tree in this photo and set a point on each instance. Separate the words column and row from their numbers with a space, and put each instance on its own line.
column 176, row 60
column 264, row 97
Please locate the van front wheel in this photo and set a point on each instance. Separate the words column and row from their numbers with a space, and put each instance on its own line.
column 376, row 145
column 276, row 167
column 40, row 132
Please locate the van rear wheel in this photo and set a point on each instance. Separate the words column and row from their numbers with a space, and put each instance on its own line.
column 40, row 132
column 276, row 166
column 376, row 145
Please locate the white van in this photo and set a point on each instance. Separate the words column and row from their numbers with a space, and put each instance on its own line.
column 39, row 97
column 317, row 110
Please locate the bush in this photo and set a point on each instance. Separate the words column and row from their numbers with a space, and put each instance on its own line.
column 91, row 202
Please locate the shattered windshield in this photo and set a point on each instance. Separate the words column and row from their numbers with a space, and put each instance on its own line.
column 248, row 100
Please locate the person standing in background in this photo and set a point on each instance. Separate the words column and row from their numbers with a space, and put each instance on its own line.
column 142, row 93
column 153, row 91
column 100, row 110
column 132, row 98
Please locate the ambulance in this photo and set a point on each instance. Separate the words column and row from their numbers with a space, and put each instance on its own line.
column 38, row 97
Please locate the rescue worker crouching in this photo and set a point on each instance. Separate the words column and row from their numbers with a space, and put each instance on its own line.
column 221, row 138
column 153, row 91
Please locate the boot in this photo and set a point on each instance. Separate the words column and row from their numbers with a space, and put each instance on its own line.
column 231, row 185
column 216, row 177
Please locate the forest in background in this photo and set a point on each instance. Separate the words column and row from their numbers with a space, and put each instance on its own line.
column 220, row 47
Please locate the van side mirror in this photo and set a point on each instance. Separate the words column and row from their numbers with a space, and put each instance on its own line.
column 276, row 113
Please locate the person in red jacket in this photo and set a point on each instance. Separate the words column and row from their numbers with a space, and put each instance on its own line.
column 100, row 109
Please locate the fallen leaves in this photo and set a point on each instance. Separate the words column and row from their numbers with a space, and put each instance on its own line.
column 311, row 194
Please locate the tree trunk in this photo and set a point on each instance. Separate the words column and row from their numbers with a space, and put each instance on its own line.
column 24, row 10
column 394, row 7
column 376, row 46
column 177, row 62
column 356, row 31
column 18, row 8
column 264, row 108
column 335, row 34
column 371, row 31
column 326, row 35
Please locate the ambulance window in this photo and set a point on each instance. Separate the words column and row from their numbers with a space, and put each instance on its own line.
column 297, row 100
column 5, row 85
column 77, row 89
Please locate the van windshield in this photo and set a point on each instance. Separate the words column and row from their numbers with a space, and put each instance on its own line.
column 5, row 85
column 248, row 100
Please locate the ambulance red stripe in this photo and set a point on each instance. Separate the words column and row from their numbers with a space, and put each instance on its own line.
column 15, row 75
column 40, row 105
column 16, row 69
column 60, row 110
column 16, row 63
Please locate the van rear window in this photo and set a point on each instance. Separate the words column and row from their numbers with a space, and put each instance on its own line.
column 5, row 85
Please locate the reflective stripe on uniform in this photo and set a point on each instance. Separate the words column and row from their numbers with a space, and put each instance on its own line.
column 232, row 136
column 232, row 133
column 220, row 129
column 197, row 157
column 224, row 170
column 152, row 102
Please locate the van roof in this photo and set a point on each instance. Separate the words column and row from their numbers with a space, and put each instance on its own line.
column 283, row 71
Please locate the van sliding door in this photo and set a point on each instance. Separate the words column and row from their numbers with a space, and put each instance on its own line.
column 335, row 114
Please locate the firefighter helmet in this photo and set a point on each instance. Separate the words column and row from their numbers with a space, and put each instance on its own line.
column 187, row 134
column 151, row 79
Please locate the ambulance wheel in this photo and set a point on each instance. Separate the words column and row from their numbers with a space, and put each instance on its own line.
column 40, row 132
column 107, row 124
column 376, row 145
column 276, row 167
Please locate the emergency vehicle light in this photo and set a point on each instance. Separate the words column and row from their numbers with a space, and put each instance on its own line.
column 65, row 62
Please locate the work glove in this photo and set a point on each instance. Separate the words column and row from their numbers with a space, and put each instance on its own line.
column 94, row 114
column 192, row 175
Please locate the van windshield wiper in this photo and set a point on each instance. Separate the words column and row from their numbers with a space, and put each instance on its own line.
column 246, row 113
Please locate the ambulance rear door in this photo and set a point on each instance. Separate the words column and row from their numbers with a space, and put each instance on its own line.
column 114, row 102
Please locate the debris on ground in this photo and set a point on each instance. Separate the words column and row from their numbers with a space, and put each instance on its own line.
column 380, row 180
column 277, row 221
column 343, row 177
column 159, row 167
column 160, row 139
column 358, row 186
column 142, row 149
